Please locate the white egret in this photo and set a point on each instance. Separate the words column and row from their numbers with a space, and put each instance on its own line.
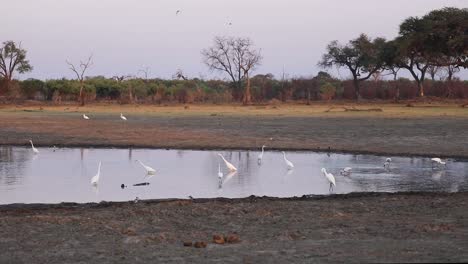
column 330, row 178
column 149, row 170
column 387, row 163
column 260, row 156
column 438, row 161
column 35, row 150
column 123, row 117
column 346, row 171
column 85, row 117
column 95, row 179
column 220, row 174
column 288, row 163
column 228, row 165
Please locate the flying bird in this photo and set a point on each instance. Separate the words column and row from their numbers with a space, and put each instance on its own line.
column 228, row 164
column 260, row 156
column 35, row 150
column 330, row 178
column 346, row 171
column 123, row 117
column 288, row 163
column 149, row 170
column 95, row 179
column 85, row 117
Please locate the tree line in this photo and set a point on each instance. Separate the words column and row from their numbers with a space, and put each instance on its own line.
column 434, row 45
column 424, row 45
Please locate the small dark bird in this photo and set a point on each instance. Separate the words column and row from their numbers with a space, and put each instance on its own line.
column 123, row 186
column 177, row 12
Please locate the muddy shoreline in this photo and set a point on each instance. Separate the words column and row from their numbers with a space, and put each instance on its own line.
column 400, row 227
column 428, row 136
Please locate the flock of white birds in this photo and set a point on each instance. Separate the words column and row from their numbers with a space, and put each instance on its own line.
column 329, row 176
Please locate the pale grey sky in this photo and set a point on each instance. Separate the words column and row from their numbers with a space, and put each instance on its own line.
column 125, row 36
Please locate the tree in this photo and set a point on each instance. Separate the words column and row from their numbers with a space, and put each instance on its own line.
column 264, row 82
column 414, row 53
column 236, row 57
column 433, row 70
column 80, row 71
column 438, row 39
column 12, row 58
column 448, row 35
column 361, row 56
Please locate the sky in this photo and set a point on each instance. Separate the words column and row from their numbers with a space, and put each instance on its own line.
column 125, row 36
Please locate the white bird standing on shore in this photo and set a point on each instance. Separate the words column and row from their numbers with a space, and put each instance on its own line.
column 346, row 171
column 149, row 170
column 288, row 163
column 95, row 179
column 228, row 165
column 330, row 178
column 35, row 150
column 260, row 156
column 438, row 161
column 123, row 117
column 85, row 117
column 220, row 174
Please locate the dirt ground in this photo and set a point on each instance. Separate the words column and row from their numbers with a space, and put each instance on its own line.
column 410, row 227
column 432, row 130
column 352, row 228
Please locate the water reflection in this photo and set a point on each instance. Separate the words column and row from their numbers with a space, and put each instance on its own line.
column 64, row 174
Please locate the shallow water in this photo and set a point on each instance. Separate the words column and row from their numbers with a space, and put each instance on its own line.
column 64, row 175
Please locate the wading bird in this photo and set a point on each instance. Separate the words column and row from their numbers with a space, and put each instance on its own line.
column 387, row 163
column 95, row 179
column 260, row 156
column 437, row 162
column 85, row 117
column 220, row 174
column 123, row 117
column 346, row 171
column 149, row 170
column 288, row 163
column 228, row 165
column 330, row 178
column 35, row 150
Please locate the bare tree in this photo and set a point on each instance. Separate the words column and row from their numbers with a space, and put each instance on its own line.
column 80, row 72
column 12, row 58
column 237, row 58
column 146, row 70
